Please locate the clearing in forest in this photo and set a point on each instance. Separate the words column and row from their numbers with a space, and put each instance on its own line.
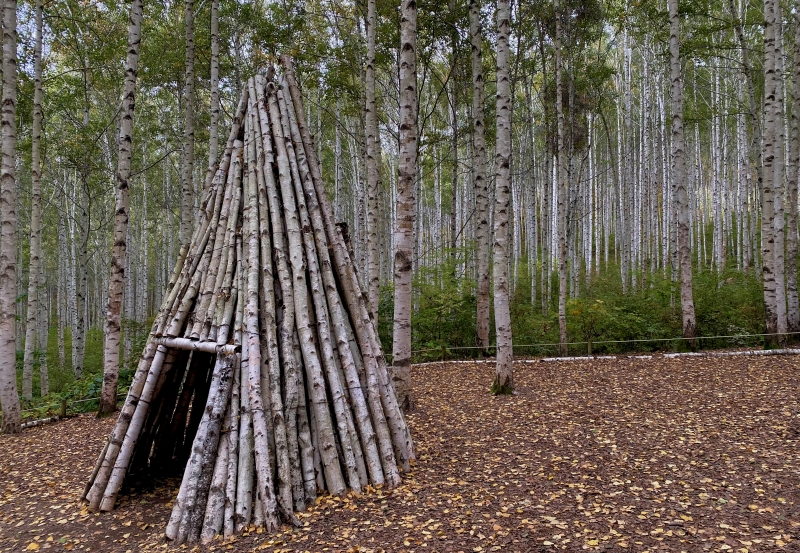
column 618, row 455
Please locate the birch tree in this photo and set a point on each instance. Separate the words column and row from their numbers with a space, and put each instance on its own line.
column 773, row 178
column 34, row 267
column 404, row 221
column 504, row 382
column 482, row 234
column 213, row 132
column 187, row 181
column 108, row 399
column 679, row 174
column 793, row 172
column 373, row 163
column 561, row 188
column 8, row 225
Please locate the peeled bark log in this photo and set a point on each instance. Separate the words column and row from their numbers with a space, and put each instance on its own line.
column 314, row 377
column 266, row 493
column 338, row 319
column 356, row 300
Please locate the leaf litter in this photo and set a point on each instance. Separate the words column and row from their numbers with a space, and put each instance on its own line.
column 603, row 455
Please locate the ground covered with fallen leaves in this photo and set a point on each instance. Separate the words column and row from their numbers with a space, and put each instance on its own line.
column 605, row 455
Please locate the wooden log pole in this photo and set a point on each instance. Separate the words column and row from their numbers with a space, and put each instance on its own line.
column 193, row 345
column 357, row 302
column 284, row 310
column 266, row 494
column 372, row 436
column 348, row 443
column 315, row 380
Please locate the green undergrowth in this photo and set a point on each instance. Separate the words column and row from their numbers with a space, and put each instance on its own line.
column 601, row 320
column 79, row 393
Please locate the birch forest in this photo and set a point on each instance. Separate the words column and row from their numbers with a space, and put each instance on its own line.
column 563, row 177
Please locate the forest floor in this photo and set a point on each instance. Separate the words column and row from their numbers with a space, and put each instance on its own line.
column 607, row 455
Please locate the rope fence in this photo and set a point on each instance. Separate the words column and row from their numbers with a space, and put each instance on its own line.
column 60, row 409
column 546, row 351
column 601, row 347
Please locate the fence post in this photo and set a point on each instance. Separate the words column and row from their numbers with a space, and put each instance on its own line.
column 64, row 408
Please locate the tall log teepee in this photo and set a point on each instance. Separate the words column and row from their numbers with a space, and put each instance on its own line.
column 263, row 374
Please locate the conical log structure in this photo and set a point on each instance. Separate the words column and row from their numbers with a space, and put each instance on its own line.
column 263, row 374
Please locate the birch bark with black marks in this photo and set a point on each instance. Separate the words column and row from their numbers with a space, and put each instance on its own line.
column 285, row 305
column 313, row 366
column 482, row 232
column 213, row 130
column 34, row 267
column 373, row 163
column 108, row 395
column 679, row 175
column 770, row 186
column 357, row 303
column 404, row 222
column 793, row 171
column 338, row 320
column 187, row 175
column 561, row 190
column 8, row 225
column 264, row 476
column 504, row 381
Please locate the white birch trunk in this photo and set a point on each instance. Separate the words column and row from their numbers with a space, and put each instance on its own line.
column 34, row 271
column 108, row 399
column 404, row 223
column 373, row 164
column 561, row 184
column 679, row 175
column 768, row 185
column 482, row 232
column 793, row 172
column 187, row 178
column 504, row 382
column 8, row 225
column 213, row 132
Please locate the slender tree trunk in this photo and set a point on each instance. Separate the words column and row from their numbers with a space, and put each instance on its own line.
column 187, row 181
column 504, row 381
column 793, row 314
column 42, row 333
column 373, row 165
column 482, row 232
column 213, row 132
column 769, row 185
column 453, row 94
column 679, row 175
column 8, row 225
column 562, row 192
column 34, row 271
column 108, row 399
column 404, row 223
column 80, row 259
column 779, row 168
